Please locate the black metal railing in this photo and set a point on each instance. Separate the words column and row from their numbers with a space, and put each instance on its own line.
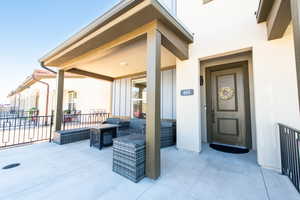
column 18, row 113
column 290, row 157
column 18, row 130
column 24, row 130
column 5, row 114
column 72, row 121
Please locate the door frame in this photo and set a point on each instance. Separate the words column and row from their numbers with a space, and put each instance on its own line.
column 208, row 71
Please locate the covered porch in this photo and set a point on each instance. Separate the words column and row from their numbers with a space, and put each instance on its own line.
column 135, row 38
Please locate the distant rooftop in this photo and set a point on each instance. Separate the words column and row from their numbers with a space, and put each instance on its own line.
column 39, row 74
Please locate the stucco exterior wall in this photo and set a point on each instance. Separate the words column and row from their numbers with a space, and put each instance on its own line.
column 92, row 94
column 26, row 99
column 224, row 26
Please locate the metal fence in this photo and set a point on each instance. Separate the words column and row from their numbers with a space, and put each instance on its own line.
column 72, row 121
column 19, row 130
column 18, row 113
column 290, row 157
column 24, row 130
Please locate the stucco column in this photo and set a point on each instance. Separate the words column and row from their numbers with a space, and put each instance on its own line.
column 295, row 6
column 59, row 100
column 188, row 120
column 153, row 102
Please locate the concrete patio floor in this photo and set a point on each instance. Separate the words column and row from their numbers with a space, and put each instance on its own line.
column 76, row 171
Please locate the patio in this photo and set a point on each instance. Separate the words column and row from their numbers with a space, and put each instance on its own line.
column 76, row 171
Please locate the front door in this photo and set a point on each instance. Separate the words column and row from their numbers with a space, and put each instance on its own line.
column 227, row 112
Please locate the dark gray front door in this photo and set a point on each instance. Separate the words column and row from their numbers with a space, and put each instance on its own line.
column 228, row 113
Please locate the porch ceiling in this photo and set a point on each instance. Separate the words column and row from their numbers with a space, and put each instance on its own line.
column 119, row 37
column 123, row 60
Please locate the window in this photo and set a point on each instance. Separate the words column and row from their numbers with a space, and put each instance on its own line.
column 139, row 98
column 72, row 96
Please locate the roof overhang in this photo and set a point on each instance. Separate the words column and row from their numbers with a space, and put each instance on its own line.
column 29, row 81
column 264, row 10
column 277, row 15
column 122, row 19
column 36, row 76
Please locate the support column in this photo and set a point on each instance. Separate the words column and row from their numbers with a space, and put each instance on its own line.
column 59, row 100
column 153, row 104
column 295, row 7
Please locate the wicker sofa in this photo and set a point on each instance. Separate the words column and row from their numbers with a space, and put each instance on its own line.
column 135, row 126
column 123, row 124
column 138, row 126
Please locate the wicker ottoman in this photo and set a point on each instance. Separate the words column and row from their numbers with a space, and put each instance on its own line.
column 129, row 157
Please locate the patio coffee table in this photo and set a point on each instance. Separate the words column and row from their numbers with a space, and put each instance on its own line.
column 97, row 133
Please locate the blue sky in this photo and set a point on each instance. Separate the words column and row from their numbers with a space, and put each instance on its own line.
column 31, row 28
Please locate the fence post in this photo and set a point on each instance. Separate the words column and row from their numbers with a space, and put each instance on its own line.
column 51, row 125
column 64, row 121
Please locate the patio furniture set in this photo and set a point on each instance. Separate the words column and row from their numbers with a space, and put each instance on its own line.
column 128, row 140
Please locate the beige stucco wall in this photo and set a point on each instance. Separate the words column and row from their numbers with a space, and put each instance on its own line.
column 24, row 100
column 223, row 26
column 92, row 94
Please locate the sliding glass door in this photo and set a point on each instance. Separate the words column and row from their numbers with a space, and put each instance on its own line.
column 139, row 98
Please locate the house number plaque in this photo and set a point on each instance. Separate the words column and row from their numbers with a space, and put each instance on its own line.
column 187, row 92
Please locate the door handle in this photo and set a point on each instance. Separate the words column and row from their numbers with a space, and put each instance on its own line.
column 213, row 116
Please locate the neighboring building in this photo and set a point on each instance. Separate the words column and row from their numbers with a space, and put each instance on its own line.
column 225, row 77
column 4, row 108
column 80, row 94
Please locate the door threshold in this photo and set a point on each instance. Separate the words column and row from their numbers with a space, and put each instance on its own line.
column 229, row 145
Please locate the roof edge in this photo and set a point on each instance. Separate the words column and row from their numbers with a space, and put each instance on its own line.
column 176, row 21
column 111, row 14
column 91, row 27
column 264, row 9
column 35, row 77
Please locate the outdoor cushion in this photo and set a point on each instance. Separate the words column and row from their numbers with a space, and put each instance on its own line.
column 133, row 140
column 112, row 121
column 118, row 121
column 134, row 126
column 128, row 131
column 137, row 123
column 138, row 126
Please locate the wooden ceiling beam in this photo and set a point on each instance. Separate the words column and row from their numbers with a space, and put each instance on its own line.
column 90, row 74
